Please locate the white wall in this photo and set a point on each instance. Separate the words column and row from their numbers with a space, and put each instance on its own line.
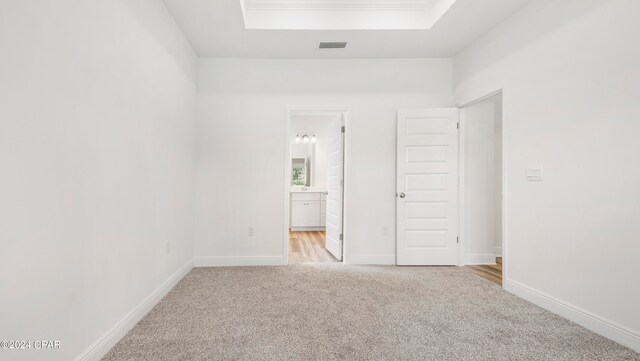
column 97, row 142
column 571, row 81
column 245, row 102
column 482, row 206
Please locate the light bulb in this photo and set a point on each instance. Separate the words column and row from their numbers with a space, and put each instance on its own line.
column 298, row 140
column 313, row 138
column 305, row 139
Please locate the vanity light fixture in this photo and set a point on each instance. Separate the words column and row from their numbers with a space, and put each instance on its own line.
column 305, row 139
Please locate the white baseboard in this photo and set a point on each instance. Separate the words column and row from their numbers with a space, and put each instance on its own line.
column 595, row 323
column 100, row 348
column 372, row 259
column 479, row 259
column 240, row 261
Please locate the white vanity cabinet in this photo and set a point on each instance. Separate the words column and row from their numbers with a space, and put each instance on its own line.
column 308, row 211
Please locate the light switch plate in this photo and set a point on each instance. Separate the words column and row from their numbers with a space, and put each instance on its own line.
column 535, row 173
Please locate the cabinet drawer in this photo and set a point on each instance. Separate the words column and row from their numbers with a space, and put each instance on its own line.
column 305, row 196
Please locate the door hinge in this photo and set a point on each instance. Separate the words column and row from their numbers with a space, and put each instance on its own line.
column 457, row 239
column 342, row 130
column 458, row 125
column 341, row 236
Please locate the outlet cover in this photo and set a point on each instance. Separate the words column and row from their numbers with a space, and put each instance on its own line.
column 535, row 173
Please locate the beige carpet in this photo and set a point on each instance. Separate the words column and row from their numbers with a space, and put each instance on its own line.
column 337, row 312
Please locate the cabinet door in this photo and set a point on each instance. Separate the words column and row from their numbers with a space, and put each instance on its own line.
column 299, row 214
column 313, row 213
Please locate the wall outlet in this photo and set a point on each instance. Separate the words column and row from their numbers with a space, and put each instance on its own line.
column 251, row 232
column 168, row 247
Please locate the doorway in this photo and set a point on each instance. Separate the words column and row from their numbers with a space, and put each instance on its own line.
column 315, row 184
column 450, row 196
column 481, row 187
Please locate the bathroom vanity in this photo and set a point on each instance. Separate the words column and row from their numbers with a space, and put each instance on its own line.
column 308, row 210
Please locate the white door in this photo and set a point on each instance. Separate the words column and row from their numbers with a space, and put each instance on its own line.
column 335, row 164
column 427, row 187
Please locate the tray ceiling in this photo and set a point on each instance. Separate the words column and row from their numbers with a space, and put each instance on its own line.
column 216, row 29
column 343, row 14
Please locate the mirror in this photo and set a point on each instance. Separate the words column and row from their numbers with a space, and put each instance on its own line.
column 302, row 160
column 299, row 172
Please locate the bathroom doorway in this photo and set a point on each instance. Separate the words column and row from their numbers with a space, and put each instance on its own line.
column 315, row 185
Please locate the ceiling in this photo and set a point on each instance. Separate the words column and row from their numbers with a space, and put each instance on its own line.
column 216, row 29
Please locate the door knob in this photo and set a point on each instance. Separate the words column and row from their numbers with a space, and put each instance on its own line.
column 402, row 195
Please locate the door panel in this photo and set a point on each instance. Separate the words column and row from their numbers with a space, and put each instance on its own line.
column 427, row 215
column 335, row 163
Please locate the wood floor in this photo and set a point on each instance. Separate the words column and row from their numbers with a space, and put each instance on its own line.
column 491, row 272
column 305, row 247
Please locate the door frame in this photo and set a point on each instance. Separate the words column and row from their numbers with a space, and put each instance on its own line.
column 345, row 111
column 504, row 171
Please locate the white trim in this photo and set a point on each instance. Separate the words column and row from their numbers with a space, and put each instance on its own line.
column 400, row 5
column 346, row 112
column 481, row 99
column 346, row 175
column 462, row 219
column 386, row 259
column 287, row 184
column 240, row 261
column 475, row 259
column 595, row 323
column 505, row 179
column 102, row 346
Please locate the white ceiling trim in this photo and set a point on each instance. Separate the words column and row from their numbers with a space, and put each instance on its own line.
column 408, row 5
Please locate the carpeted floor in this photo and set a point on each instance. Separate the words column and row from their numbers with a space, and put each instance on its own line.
column 337, row 312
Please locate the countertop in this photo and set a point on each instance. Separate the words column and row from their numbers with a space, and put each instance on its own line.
column 308, row 190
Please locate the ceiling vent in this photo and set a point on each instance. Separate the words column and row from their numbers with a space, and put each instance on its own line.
column 333, row 45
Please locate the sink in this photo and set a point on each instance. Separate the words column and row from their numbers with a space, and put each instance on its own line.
column 307, row 189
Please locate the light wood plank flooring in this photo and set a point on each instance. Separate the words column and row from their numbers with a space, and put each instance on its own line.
column 305, row 247
column 491, row 272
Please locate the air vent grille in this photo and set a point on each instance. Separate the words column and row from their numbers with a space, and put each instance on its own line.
column 333, row 45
